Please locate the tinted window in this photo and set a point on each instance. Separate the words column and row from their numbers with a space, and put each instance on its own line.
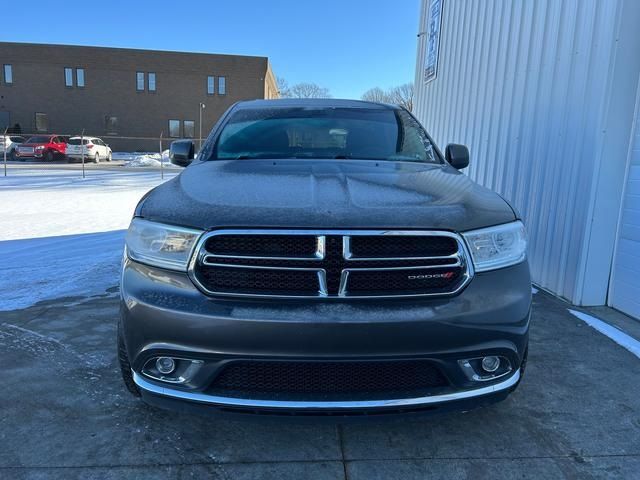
column 111, row 124
column 189, row 128
column 76, row 141
column 358, row 133
column 38, row 139
column 42, row 122
column 174, row 128
column 17, row 139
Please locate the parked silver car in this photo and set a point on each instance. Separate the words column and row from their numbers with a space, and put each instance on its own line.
column 10, row 143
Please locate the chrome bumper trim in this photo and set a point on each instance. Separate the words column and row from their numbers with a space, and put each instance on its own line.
column 346, row 405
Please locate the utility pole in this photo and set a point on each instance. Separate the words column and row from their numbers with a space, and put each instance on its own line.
column 82, row 150
column 161, row 162
column 202, row 107
column 4, row 148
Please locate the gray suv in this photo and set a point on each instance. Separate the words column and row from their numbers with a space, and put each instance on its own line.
column 323, row 258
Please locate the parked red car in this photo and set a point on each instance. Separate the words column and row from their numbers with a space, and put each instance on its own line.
column 47, row 147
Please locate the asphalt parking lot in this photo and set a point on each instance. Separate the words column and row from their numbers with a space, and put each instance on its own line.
column 65, row 414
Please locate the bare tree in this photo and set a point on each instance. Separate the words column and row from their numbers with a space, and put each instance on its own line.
column 376, row 94
column 309, row 90
column 301, row 90
column 283, row 87
column 401, row 95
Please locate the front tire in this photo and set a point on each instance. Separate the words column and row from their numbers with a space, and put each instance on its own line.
column 49, row 156
column 125, row 366
column 96, row 159
column 109, row 157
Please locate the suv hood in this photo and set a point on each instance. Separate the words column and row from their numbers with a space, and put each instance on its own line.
column 324, row 194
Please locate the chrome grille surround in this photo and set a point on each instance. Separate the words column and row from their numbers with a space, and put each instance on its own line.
column 461, row 258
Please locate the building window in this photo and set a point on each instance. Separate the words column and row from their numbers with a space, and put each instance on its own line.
column 174, row 128
column 189, row 128
column 111, row 124
column 211, row 85
column 42, row 122
column 8, row 74
column 140, row 81
column 222, row 85
column 68, row 77
column 152, row 81
column 80, row 77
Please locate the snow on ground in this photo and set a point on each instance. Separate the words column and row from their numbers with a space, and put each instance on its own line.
column 62, row 235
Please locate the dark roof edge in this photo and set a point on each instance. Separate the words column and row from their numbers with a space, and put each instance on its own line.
column 124, row 49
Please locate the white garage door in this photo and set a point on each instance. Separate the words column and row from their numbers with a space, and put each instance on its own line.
column 624, row 293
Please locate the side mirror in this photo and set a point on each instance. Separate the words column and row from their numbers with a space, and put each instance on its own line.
column 181, row 152
column 457, row 155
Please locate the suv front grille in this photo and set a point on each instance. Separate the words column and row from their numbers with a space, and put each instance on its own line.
column 327, row 264
column 328, row 380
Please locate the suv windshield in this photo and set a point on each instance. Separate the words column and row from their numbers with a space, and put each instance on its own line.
column 38, row 140
column 302, row 132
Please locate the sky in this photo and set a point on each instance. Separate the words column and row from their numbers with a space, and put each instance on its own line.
column 347, row 46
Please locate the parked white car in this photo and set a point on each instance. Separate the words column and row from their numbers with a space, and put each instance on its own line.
column 95, row 149
column 10, row 143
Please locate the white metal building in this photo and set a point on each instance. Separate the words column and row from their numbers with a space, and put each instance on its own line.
column 546, row 95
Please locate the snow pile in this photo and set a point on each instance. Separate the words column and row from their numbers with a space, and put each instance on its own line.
column 144, row 159
column 62, row 235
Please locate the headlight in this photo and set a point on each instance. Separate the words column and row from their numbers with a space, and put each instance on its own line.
column 160, row 245
column 497, row 247
column 40, row 147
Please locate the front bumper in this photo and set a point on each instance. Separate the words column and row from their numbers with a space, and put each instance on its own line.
column 196, row 401
column 164, row 314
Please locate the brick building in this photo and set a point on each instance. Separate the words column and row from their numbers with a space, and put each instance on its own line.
column 127, row 97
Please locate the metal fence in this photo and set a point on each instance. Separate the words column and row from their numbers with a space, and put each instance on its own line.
column 134, row 148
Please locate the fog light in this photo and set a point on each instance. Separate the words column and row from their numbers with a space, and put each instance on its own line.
column 489, row 364
column 166, row 365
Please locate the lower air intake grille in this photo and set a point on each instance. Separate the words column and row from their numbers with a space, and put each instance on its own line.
column 328, row 380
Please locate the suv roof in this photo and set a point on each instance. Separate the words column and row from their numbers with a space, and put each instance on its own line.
column 313, row 102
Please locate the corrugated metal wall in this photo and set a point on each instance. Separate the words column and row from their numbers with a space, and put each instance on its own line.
column 527, row 86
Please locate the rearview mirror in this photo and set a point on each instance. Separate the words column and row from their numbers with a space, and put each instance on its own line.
column 457, row 155
column 181, row 152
